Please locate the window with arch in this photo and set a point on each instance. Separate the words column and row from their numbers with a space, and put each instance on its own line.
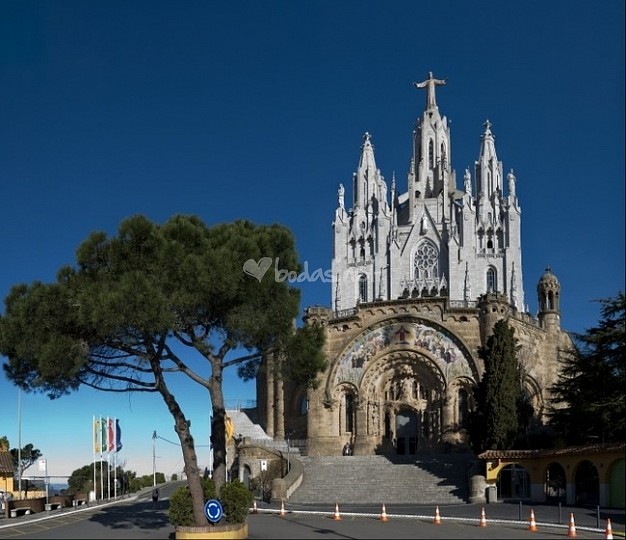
column 431, row 154
column 463, row 407
column 443, row 153
column 349, row 408
column 492, row 283
column 304, row 404
column 426, row 262
column 362, row 288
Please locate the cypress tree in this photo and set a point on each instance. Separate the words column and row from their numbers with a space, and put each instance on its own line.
column 495, row 422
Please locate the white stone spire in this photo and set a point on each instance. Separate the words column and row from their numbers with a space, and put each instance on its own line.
column 365, row 176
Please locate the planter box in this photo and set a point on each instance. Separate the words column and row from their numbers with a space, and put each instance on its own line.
column 236, row 531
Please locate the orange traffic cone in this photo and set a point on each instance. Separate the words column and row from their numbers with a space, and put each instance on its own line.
column 572, row 526
column 254, row 508
column 483, row 519
column 437, row 517
column 532, row 526
column 336, row 517
column 282, row 508
column 383, row 515
column 609, row 530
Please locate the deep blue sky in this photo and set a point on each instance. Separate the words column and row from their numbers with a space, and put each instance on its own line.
column 257, row 110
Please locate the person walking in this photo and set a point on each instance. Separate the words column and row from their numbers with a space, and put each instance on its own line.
column 155, row 498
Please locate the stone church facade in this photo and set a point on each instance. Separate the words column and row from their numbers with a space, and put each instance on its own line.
column 419, row 279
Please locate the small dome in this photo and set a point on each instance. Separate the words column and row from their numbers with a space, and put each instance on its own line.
column 548, row 279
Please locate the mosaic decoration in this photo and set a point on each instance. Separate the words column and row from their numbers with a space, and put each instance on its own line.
column 405, row 335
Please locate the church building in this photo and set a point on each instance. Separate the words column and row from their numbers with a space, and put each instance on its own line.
column 420, row 275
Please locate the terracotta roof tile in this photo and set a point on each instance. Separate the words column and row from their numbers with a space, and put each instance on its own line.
column 547, row 452
column 6, row 463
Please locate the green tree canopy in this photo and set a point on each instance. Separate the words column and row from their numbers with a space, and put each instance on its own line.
column 26, row 457
column 587, row 404
column 117, row 320
column 495, row 422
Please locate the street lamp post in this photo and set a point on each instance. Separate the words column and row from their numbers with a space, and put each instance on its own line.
column 154, row 436
column 19, row 441
column 288, row 436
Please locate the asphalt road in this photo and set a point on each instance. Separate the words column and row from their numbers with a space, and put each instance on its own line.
column 135, row 518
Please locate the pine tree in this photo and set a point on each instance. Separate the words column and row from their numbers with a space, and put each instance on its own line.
column 587, row 404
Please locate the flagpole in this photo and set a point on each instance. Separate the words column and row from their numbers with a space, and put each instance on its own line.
column 94, row 444
column 115, row 458
column 108, row 458
column 102, row 441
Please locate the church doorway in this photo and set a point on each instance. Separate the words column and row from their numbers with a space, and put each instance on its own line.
column 406, row 432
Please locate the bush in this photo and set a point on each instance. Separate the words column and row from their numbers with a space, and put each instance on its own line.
column 236, row 500
column 181, row 507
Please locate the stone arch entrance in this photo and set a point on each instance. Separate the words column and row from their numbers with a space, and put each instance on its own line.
column 405, row 376
column 401, row 405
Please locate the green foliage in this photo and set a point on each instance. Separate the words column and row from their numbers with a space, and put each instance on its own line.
column 118, row 319
column 81, row 480
column 236, row 500
column 304, row 356
column 588, row 399
column 28, row 455
column 181, row 506
column 495, row 422
column 261, row 486
column 301, row 357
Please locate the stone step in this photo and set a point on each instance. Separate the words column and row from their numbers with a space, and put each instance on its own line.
column 436, row 479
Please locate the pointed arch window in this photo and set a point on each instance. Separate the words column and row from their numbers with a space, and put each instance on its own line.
column 431, row 154
column 426, row 262
column 349, row 408
column 463, row 405
column 362, row 288
column 492, row 281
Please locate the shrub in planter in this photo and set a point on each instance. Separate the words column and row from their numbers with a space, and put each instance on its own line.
column 236, row 500
column 181, row 507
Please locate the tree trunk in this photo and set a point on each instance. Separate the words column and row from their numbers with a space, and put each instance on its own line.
column 190, row 458
column 218, row 440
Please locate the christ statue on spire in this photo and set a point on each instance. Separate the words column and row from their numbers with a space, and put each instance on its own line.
column 430, row 83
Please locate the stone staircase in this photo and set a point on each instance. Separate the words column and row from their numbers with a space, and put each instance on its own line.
column 431, row 479
column 244, row 425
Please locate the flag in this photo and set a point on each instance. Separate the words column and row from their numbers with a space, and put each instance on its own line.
column 118, row 436
column 110, row 435
column 103, row 435
column 230, row 429
column 96, row 437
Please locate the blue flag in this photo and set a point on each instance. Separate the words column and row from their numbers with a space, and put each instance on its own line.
column 118, row 436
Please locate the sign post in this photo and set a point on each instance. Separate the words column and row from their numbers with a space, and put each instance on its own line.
column 43, row 466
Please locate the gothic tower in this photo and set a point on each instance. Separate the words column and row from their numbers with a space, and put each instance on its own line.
column 434, row 240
